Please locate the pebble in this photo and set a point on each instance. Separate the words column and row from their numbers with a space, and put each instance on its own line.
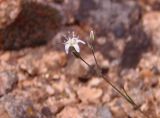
column 69, row 112
column 88, row 94
column 94, row 82
column 3, row 112
column 104, row 112
column 8, row 80
column 18, row 107
column 151, row 24
column 49, row 90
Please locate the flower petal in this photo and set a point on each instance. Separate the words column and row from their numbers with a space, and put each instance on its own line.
column 80, row 41
column 67, row 48
column 76, row 47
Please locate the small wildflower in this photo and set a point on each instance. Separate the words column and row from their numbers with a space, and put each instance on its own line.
column 72, row 42
column 92, row 35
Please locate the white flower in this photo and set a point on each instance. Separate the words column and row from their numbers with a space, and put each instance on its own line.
column 73, row 42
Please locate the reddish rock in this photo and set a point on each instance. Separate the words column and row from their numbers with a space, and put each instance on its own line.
column 69, row 112
column 88, row 94
column 151, row 24
column 3, row 112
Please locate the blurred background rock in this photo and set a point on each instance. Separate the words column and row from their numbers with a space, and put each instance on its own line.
column 31, row 24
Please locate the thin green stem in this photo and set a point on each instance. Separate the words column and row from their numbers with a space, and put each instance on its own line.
column 98, row 67
column 95, row 57
column 125, row 96
column 128, row 96
column 98, row 70
column 100, row 74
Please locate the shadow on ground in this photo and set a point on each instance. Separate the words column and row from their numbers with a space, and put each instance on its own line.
column 140, row 43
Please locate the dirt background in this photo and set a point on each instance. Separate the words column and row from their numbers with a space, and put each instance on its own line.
column 37, row 78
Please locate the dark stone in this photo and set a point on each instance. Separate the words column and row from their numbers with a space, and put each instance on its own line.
column 35, row 26
column 47, row 112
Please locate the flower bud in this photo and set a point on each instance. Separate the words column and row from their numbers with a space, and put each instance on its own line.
column 92, row 35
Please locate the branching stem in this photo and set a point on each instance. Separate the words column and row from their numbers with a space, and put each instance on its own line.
column 98, row 70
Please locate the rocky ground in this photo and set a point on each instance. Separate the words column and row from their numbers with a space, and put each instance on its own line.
column 37, row 78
